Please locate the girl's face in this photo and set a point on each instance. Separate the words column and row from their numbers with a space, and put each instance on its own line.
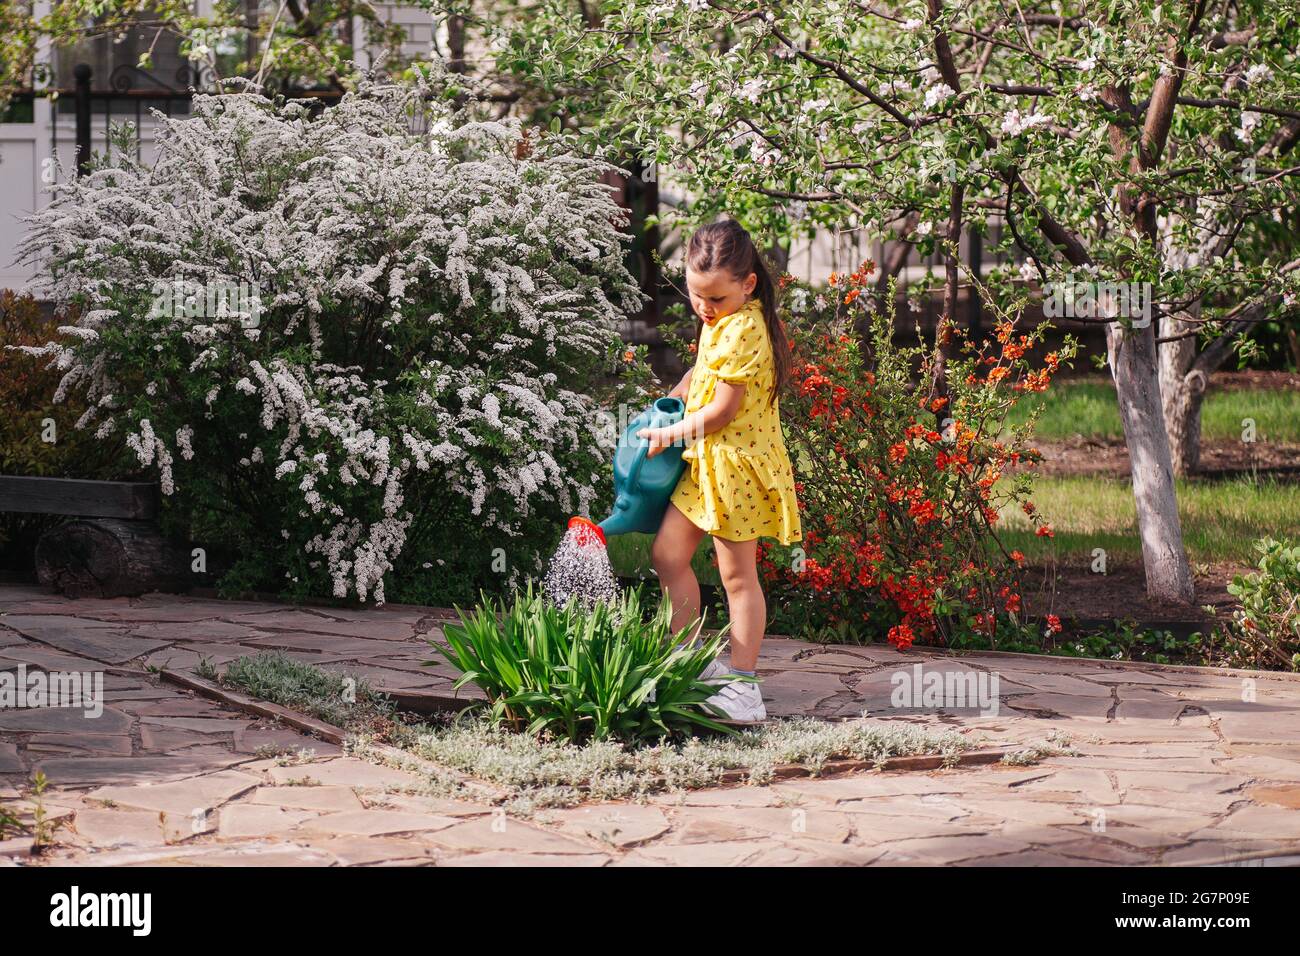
column 718, row 293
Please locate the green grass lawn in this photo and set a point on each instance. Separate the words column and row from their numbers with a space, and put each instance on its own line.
column 1221, row 519
column 630, row 556
column 1087, row 407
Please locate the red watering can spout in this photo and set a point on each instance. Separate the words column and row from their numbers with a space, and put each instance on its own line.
column 586, row 532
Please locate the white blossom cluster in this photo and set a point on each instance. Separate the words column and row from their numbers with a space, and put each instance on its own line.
column 1014, row 122
column 433, row 305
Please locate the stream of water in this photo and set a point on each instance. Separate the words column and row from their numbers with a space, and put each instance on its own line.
column 580, row 569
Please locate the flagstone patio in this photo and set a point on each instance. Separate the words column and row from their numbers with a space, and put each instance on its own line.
column 1165, row 765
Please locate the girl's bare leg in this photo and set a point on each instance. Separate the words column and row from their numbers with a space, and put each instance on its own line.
column 738, row 565
column 673, row 548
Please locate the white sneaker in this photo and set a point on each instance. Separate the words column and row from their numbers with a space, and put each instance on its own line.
column 741, row 701
column 715, row 667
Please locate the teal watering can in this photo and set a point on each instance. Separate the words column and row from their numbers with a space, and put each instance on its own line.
column 642, row 486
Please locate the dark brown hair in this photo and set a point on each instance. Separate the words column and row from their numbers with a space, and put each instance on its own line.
column 726, row 245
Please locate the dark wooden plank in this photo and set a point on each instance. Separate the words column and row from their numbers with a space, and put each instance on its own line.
column 108, row 557
column 74, row 496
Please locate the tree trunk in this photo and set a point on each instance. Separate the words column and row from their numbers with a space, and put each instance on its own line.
column 1183, row 399
column 943, row 328
column 456, row 43
column 108, row 557
column 1182, row 391
column 1132, row 355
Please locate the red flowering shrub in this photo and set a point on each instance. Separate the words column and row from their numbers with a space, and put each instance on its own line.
column 899, row 485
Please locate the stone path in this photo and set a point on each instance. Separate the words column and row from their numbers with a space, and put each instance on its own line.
column 1165, row 765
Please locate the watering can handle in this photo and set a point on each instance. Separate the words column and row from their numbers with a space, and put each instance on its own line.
column 635, row 471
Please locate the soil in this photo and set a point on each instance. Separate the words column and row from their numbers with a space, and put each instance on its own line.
column 1121, row 594
column 1224, row 381
column 1220, row 458
column 1254, row 378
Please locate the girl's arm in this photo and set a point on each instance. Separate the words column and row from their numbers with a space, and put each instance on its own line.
column 717, row 414
column 684, row 386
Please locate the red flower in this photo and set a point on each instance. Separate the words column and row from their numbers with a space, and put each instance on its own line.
column 901, row 636
column 922, row 511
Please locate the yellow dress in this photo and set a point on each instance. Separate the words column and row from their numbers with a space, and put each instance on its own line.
column 739, row 484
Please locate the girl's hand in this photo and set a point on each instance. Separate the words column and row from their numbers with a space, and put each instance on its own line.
column 658, row 438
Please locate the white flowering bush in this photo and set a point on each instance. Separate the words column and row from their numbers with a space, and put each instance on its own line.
column 350, row 352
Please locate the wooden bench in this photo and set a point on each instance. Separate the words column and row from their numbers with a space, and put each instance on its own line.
column 111, row 548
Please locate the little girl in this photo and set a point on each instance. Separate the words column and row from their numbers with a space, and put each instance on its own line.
column 739, row 485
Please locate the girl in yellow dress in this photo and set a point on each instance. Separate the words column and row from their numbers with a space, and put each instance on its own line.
column 738, row 485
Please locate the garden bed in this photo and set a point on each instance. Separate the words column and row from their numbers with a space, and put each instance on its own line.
column 464, row 756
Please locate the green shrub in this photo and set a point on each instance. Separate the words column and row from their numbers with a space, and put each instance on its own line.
column 1130, row 641
column 1265, row 627
column 602, row 673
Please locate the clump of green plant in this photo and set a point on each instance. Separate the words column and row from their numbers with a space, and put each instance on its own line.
column 1264, row 630
column 208, row 670
column 41, row 829
column 9, row 823
column 1129, row 641
column 602, row 672
column 545, row 771
column 1056, row 745
column 344, row 701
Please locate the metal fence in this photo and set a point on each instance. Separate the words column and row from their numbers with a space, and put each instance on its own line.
column 131, row 95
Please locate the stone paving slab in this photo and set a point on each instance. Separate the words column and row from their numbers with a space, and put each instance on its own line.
column 1176, row 766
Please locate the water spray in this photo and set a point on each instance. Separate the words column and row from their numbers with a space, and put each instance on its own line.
column 642, row 489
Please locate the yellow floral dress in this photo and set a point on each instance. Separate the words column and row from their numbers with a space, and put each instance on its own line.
column 739, row 484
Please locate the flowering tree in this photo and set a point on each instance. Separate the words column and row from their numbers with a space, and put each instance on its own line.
column 340, row 343
column 1121, row 142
